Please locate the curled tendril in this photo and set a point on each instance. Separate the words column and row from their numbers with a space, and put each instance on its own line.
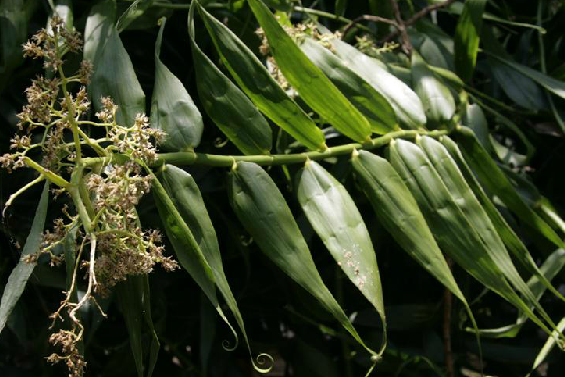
column 225, row 343
column 263, row 359
column 220, row 142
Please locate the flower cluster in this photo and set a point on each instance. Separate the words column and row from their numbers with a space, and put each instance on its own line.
column 104, row 194
column 49, row 44
column 73, row 358
column 123, row 247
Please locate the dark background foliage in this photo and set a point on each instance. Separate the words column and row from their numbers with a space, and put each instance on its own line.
column 281, row 318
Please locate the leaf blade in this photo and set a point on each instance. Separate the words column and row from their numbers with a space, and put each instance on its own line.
column 262, row 210
column 334, row 216
column 259, row 86
column 226, row 105
column 23, row 270
column 308, row 80
column 172, row 108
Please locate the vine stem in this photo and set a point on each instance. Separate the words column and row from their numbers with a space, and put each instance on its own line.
column 193, row 158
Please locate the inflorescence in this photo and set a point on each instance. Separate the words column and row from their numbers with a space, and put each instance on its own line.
column 101, row 219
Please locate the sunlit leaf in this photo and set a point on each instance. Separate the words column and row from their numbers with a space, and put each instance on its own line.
column 113, row 73
column 262, row 210
column 404, row 101
column 438, row 102
column 467, row 36
column 226, row 105
column 308, row 80
column 172, row 109
column 372, row 104
column 453, row 227
column 186, row 197
column 336, row 219
column 254, row 79
column 496, row 182
column 20, row 274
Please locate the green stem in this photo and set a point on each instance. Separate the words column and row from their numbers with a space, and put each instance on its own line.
column 101, row 152
column 193, row 158
column 53, row 177
column 70, row 105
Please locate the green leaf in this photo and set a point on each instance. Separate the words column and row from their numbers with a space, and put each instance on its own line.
column 186, row 247
column 113, row 74
column 135, row 304
column 549, row 269
column 555, row 86
column 372, row 104
column 435, row 46
column 549, row 344
column 20, row 274
column 186, row 197
column 511, row 240
column 340, row 6
column 336, row 219
column 520, row 88
column 97, row 30
column 467, row 37
column 135, row 10
column 439, row 105
column 479, row 221
column 455, row 232
column 227, row 106
column 309, row 81
column 495, row 181
column 254, row 79
column 172, row 109
column 404, row 101
column 399, row 213
column 14, row 17
column 262, row 210
column 474, row 118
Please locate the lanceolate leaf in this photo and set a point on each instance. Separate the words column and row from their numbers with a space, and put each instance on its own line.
column 135, row 10
column 549, row 344
column 550, row 268
column 336, row 219
column 186, row 248
column 13, row 32
column 477, row 218
column 475, row 119
column 512, row 241
column 454, row 232
column 135, row 305
column 227, row 106
column 467, row 36
column 404, row 101
column 556, row 87
column 399, row 213
column 21, row 273
column 262, row 210
column 519, row 87
column 113, row 74
column 99, row 24
column 309, row 80
column 254, row 79
column 496, row 182
column 186, row 197
column 172, row 109
column 372, row 104
column 438, row 102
